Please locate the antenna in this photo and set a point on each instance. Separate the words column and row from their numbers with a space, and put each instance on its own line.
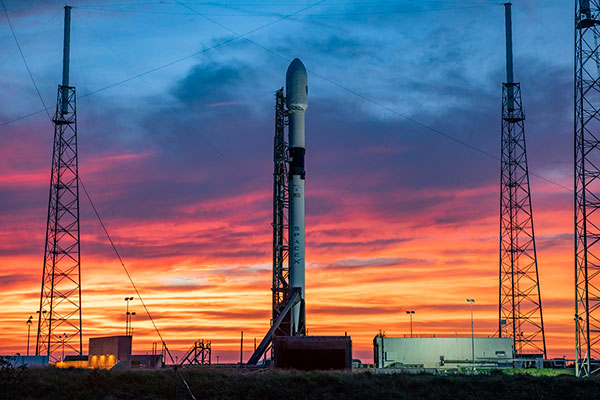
column 66, row 52
column 509, row 55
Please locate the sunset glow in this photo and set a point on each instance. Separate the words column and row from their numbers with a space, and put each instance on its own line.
column 179, row 165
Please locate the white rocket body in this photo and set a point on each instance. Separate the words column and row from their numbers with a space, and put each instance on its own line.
column 296, row 83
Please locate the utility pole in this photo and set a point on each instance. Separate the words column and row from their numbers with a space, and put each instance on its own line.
column 63, row 339
column 29, row 322
column 242, row 348
column 520, row 304
column 471, row 301
column 587, row 191
column 60, row 298
column 410, row 313
column 127, row 299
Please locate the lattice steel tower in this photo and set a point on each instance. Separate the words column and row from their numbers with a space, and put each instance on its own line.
column 587, row 188
column 281, row 202
column 59, row 322
column 520, row 305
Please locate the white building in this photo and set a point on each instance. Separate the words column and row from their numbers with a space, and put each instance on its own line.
column 441, row 352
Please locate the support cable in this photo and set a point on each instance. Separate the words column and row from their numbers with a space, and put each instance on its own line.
column 370, row 100
column 160, row 67
column 172, row 108
column 25, row 61
column 137, row 292
column 237, row 36
column 243, row 36
column 87, row 195
column 32, row 36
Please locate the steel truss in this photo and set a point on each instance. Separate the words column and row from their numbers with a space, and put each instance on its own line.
column 520, row 306
column 281, row 283
column 59, row 324
column 587, row 188
column 199, row 355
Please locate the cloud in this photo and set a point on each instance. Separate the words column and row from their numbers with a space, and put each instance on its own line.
column 374, row 263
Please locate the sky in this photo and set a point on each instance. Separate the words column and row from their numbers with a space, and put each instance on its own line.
column 175, row 122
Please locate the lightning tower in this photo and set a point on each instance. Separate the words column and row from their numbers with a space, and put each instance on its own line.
column 520, row 304
column 59, row 321
column 587, row 187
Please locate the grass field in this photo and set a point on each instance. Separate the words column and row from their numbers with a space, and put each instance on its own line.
column 53, row 383
column 540, row 371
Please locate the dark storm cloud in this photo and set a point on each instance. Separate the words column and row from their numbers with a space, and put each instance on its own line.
column 214, row 84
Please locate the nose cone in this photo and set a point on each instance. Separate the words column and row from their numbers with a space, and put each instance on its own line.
column 296, row 85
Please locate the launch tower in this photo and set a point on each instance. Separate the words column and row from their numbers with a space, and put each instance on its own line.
column 288, row 312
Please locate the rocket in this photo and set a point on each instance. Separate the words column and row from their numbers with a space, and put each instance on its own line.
column 296, row 87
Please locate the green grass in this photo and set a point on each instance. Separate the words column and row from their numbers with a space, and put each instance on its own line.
column 540, row 372
column 56, row 384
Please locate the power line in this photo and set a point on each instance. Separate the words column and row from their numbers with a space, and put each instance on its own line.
column 358, row 176
column 238, row 36
column 370, row 100
column 357, row 94
column 25, row 61
column 244, row 13
column 87, row 195
column 183, row 116
column 32, row 36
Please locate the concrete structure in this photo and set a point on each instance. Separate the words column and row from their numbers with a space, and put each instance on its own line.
column 312, row 352
column 441, row 352
column 147, row 361
column 28, row 361
column 106, row 352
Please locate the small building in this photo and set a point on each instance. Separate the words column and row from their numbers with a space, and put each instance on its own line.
column 147, row 361
column 312, row 352
column 111, row 352
column 73, row 362
column 441, row 352
column 106, row 352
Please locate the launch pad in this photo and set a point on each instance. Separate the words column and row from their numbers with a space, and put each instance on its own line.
column 286, row 337
column 307, row 353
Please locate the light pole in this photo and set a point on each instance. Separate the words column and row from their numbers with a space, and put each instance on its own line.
column 40, row 314
column 127, row 299
column 410, row 313
column 63, row 337
column 471, row 301
column 131, row 327
column 29, row 322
